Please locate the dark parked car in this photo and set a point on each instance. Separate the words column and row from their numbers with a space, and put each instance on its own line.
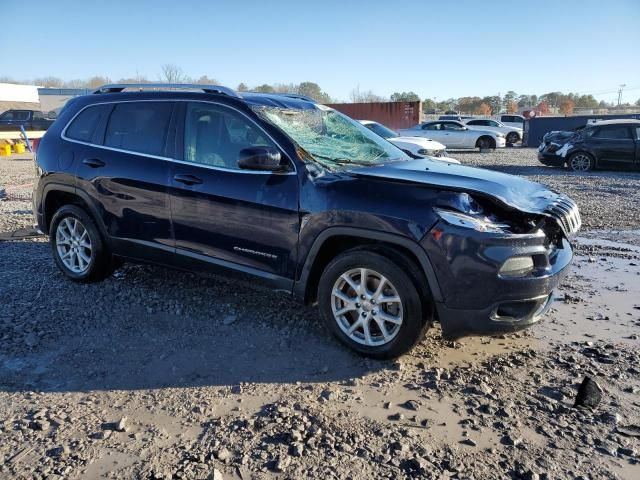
column 602, row 144
column 280, row 189
column 29, row 119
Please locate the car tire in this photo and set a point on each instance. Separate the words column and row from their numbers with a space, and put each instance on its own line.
column 78, row 248
column 396, row 309
column 581, row 162
column 513, row 138
column 485, row 143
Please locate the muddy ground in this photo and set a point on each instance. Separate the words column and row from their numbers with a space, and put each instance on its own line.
column 162, row 374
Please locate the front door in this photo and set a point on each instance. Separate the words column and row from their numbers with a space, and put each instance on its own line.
column 247, row 220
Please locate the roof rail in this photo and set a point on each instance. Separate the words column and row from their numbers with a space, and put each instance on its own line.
column 119, row 87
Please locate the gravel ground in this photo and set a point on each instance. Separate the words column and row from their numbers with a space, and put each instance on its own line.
column 161, row 374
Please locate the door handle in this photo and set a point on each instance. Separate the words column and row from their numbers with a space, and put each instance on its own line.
column 93, row 162
column 187, row 179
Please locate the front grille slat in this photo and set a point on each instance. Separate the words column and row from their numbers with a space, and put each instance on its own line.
column 566, row 213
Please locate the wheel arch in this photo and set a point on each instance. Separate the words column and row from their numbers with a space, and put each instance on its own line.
column 57, row 195
column 336, row 240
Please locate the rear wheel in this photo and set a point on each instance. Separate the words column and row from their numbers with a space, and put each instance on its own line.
column 581, row 162
column 77, row 246
column 371, row 305
column 486, row 143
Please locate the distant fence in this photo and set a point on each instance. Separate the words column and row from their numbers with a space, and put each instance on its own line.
column 391, row 114
column 535, row 128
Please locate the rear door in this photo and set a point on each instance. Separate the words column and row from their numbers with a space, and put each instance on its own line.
column 242, row 219
column 614, row 146
column 122, row 156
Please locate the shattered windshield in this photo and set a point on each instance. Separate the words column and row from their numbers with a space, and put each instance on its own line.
column 330, row 137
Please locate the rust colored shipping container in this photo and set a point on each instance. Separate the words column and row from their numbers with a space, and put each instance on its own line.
column 394, row 115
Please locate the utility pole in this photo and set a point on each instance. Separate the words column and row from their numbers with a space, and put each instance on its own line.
column 620, row 93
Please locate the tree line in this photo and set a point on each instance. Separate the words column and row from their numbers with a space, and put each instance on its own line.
column 510, row 102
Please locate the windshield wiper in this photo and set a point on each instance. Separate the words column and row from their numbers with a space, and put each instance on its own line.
column 344, row 161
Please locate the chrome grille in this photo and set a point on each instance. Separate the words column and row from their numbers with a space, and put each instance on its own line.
column 565, row 212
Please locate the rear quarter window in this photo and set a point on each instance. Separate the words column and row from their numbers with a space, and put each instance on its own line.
column 84, row 126
column 139, row 127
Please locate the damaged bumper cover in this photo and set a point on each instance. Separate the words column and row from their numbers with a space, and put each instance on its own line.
column 480, row 298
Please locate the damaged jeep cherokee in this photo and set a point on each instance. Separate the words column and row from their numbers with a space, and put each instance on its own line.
column 280, row 189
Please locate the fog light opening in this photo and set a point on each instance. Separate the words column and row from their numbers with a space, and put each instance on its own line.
column 517, row 267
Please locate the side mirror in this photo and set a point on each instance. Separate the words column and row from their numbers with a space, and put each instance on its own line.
column 261, row 158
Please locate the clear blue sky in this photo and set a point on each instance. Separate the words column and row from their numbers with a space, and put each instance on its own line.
column 437, row 49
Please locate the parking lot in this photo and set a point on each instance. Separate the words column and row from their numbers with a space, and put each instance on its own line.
column 155, row 373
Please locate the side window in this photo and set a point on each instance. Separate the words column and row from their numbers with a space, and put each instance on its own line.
column 83, row 127
column 452, row 126
column 15, row 115
column 38, row 116
column 139, row 127
column 617, row 132
column 432, row 126
column 491, row 123
column 214, row 135
column 474, row 122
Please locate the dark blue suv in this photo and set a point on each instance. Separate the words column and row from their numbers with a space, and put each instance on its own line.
column 280, row 189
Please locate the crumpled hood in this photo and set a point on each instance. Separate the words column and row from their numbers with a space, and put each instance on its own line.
column 515, row 192
column 558, row 136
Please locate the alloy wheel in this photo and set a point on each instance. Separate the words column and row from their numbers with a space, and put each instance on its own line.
column 580, row 162
column 367, row 307
column 73, row 245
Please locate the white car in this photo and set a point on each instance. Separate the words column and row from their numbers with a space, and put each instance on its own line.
column 512, row 134
column 511, row 120
column 417, row 146
column 455, row 134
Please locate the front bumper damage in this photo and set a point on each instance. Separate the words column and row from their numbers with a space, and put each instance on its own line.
column 477, row 298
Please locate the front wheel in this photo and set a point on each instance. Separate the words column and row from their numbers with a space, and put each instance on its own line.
column 581, row 162
column 371, row 305
column 513, row 138
column 485, row 143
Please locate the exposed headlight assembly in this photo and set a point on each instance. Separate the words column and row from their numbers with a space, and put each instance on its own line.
column 462, row 210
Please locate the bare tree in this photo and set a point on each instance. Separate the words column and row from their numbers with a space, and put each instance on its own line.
column 172, row 74
column 356, row 96
column 242, row 87
column 205, row 80
column 52, row 82
column 97, row 81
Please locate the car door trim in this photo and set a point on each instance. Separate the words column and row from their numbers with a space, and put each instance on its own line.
column 63, row 135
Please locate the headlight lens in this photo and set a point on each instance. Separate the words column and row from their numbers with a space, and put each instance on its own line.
column 467, row 221
column 424, row 151
column 462, row 210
